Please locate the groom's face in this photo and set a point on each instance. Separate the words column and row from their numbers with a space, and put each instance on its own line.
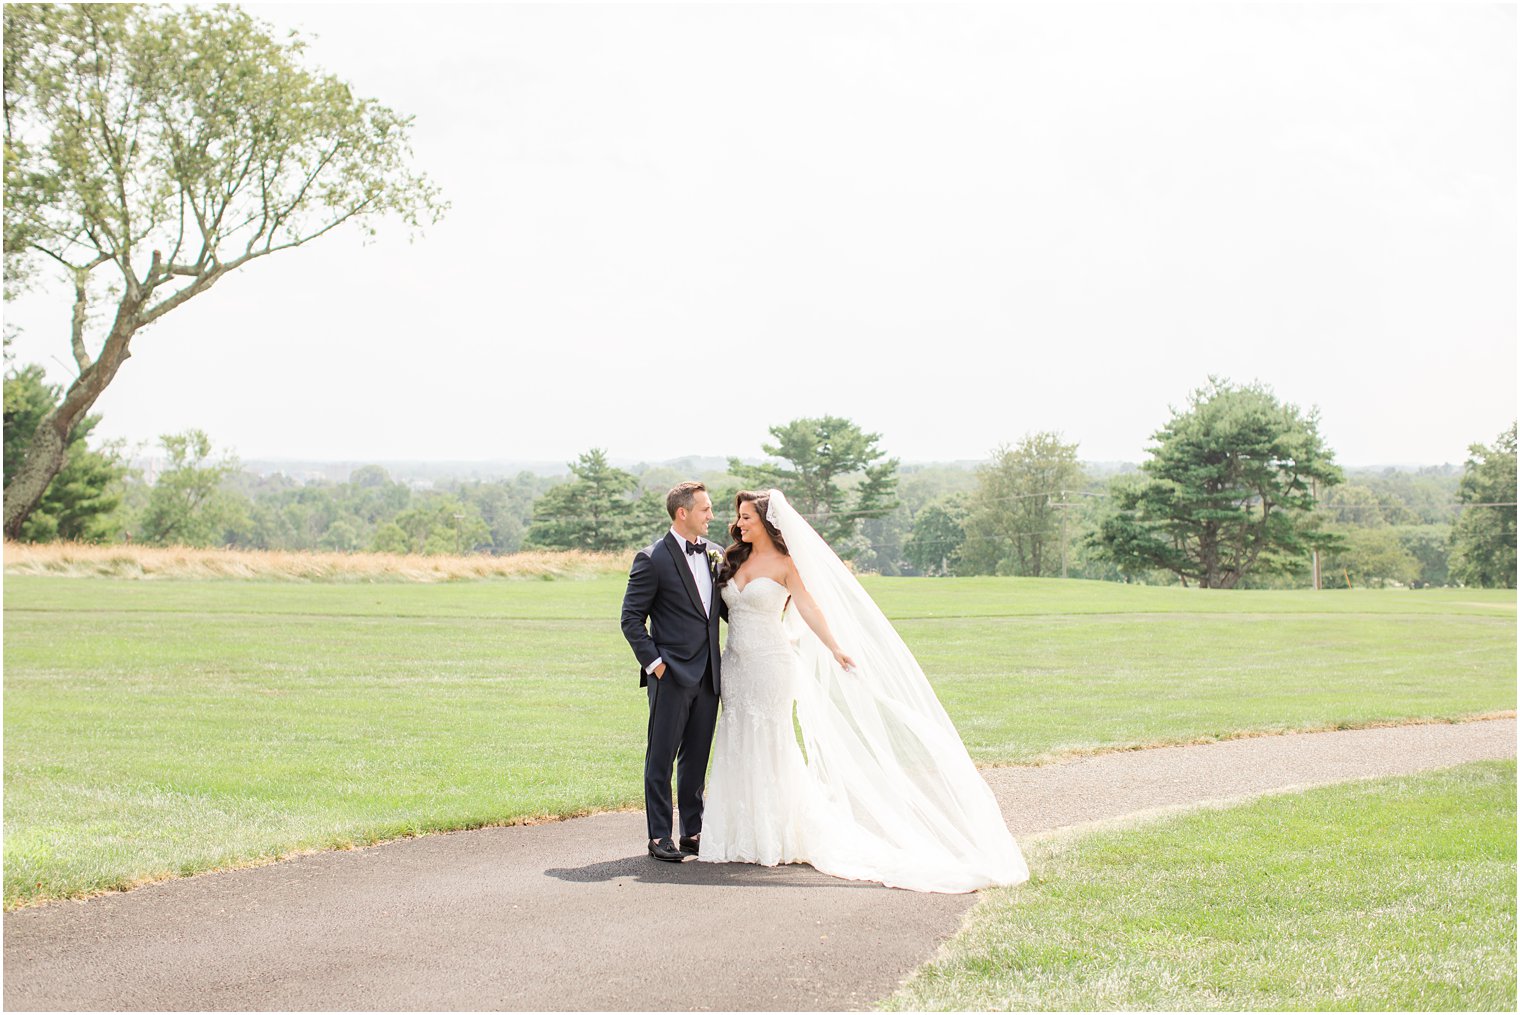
column 699, row 515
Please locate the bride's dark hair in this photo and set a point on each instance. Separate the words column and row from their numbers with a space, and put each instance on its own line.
column 738, row 551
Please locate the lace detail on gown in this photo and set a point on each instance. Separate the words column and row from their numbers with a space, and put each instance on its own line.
column 761, row 805
column 754, row 809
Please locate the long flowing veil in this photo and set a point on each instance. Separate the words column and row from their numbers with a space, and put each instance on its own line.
column 879, row 743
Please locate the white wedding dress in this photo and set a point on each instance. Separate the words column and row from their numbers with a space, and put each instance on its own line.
column 885, row 791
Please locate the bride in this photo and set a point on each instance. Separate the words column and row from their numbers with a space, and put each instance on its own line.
column 882, row 788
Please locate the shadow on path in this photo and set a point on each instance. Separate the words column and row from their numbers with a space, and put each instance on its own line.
column 645, row 870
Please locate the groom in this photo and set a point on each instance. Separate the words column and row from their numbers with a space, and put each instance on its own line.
column 672, row 587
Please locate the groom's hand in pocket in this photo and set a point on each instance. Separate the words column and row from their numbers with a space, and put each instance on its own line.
column 659, row 672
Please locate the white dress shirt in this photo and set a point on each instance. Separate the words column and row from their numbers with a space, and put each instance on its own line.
column 702, row 573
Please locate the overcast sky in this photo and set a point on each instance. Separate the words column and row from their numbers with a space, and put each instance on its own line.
column 674, row 226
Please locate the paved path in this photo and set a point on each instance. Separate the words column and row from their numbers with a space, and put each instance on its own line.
column 572, row 915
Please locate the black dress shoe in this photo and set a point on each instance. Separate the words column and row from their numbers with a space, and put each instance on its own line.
column 690, row 844
column 664, row 849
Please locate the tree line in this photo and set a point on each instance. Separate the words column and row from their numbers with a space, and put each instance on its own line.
column 1239, row 491
column 152, row 150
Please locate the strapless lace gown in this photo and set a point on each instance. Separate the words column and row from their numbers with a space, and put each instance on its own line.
column 881, row 787
column 761, row 805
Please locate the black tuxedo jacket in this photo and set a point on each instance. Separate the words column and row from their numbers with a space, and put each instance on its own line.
column 663, row 593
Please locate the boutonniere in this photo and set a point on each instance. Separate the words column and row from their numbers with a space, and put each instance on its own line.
column 714, row 559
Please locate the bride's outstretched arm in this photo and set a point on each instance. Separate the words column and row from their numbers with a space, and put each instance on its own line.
column 810, row 612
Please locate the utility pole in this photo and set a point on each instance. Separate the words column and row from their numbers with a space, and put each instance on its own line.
column 1314, row 551
column 1061, row 507
column 1063, row 533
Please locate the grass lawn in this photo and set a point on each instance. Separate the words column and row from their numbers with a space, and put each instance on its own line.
column 161, row 727
column 1393, row 894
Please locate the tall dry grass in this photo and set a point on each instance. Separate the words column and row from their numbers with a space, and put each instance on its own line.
column 83, row 560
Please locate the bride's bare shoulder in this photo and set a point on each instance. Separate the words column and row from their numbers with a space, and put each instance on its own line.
column 777, row 567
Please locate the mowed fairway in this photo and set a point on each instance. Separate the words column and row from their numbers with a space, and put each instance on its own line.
column 1385, row 895
column 162, row 727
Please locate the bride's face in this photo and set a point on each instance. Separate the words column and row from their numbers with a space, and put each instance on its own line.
column 751, row 528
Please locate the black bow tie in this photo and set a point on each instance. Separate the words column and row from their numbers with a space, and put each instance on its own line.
column 693, row 547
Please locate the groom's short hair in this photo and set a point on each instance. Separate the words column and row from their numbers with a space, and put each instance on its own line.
column 682, row 495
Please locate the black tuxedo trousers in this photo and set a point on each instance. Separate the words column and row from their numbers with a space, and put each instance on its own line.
column 681, row 724
column 663, row 619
